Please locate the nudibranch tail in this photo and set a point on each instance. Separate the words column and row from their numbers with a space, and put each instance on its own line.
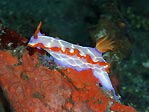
column 104, row 80
column 104, row 44
column 37, row 30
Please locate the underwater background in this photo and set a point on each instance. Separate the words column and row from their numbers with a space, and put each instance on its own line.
column 80, row 22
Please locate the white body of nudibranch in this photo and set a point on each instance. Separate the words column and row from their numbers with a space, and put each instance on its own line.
column 74, row 56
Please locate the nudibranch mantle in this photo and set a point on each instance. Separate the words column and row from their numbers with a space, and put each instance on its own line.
column 74, row 56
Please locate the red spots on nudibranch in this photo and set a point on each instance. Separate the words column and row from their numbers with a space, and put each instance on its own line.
column 37, row 30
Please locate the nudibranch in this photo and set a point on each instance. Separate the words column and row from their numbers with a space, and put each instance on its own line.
column 75, row 56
